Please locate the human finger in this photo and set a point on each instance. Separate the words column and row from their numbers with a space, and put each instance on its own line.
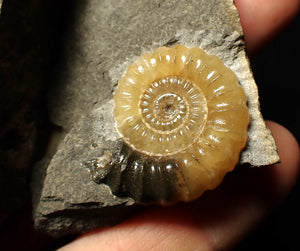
column 216, row 221
column 263, row 19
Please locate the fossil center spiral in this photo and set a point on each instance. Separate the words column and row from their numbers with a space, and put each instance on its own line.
column 172, row 112
column 168, row 107
column 173, row 106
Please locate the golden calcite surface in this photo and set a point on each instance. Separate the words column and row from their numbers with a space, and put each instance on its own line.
column 184, row 105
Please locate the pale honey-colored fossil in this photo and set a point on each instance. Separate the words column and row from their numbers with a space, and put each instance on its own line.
column 183, row 118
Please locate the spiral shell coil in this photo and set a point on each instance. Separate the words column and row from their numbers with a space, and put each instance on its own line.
column 183, row 118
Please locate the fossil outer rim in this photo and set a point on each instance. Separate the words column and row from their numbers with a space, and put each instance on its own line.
column 202, row 155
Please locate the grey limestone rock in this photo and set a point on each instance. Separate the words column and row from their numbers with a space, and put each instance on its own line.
column 104, row 39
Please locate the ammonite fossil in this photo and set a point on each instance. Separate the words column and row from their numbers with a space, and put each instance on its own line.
column 183, row 118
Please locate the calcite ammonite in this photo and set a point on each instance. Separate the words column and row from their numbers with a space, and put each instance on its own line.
column 182, row 118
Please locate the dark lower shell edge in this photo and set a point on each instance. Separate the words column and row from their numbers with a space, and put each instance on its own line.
column 146, row 179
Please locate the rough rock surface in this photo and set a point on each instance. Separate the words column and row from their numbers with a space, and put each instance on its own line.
column 102, row 40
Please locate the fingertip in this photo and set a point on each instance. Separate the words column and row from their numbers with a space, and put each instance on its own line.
column 263, row 19
column 285, row 173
